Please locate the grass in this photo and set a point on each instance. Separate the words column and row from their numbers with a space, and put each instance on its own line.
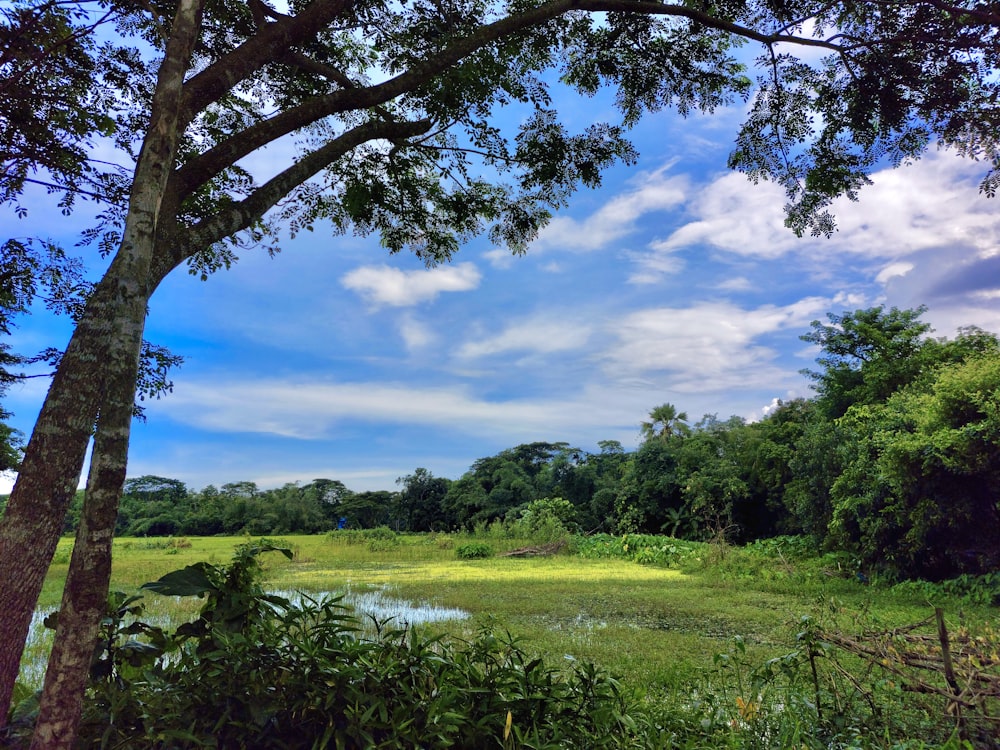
column 656, row 626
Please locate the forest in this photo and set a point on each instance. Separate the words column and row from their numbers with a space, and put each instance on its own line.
column 895, row 460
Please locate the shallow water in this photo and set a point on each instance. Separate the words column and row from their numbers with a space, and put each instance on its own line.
column 376, row 605
column 374, row 608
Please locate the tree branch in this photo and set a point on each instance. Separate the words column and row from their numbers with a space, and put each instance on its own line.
column 273, row 40
column 239, row 216
column 212, row 162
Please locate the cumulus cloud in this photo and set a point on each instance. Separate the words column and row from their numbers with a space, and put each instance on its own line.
column 384, row 285
column 930, row 205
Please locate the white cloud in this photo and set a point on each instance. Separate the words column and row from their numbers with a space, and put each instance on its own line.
column 710, row 347
column 415, row 334
column 649, row 192
column 310, row 410
column 385, row 285
column 539, row 335
column 932, row 204
column 652, row 267
column 735, row 215
column 736, row 284
column 899, row 268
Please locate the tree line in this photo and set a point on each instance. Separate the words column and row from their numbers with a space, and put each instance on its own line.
column 896, row 459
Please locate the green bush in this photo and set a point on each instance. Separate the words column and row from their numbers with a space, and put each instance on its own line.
column 254, row 670
column 647, row 549
column 473, row 551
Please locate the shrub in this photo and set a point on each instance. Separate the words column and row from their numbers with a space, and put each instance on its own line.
column 473, row 551
column 646, row 549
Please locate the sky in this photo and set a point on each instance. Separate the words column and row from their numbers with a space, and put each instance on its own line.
column 675, row 281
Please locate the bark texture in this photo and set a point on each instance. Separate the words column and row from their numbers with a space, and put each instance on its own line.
column 95, row 386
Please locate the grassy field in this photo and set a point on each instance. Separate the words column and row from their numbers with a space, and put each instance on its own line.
column 656, row 627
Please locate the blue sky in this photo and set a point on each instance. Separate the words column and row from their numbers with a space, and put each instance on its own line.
column 676, row 282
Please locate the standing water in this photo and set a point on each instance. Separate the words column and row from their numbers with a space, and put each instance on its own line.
column 370, row 606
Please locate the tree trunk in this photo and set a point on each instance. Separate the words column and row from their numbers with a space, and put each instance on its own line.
column 92, row 376
column 47, row 481
column 85, row 594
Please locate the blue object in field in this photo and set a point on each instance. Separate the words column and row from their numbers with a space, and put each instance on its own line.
column 342, row 523
column 862, row 577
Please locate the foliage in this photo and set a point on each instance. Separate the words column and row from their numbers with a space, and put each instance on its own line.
column 419, row 503
column 544, row 520
column 658, row 628
column 380, row 538
column 641, row 548
column 257, row 670
column 981, row 590
column 816, row 695
column 919, row 497
column 473, row 551
column 866, row 356
column 497, row 485
column 664, row 423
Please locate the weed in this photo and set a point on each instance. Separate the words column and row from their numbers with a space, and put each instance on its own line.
column 474, row 551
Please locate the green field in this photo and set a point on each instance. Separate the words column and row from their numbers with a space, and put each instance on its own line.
column 659, row 629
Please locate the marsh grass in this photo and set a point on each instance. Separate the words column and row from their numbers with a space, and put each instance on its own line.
column 661, row 629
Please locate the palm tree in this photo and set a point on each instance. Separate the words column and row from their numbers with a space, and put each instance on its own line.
column 665, row 422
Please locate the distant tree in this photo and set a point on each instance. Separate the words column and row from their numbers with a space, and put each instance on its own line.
column 665, row 422
column 366, row 510
column 608, row 469
column 239, row 489
column 714, row 492
column 498, row 484
column 151, row 488
column 329, row 495
column 768, row 449
column 650, row 490
column 420, row 501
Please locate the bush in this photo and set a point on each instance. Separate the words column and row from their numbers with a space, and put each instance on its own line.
column 473, row 551
column 544, row 521
column 646, row 549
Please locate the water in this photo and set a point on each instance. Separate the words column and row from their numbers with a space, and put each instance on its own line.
column 377, row 605
column 374, row 608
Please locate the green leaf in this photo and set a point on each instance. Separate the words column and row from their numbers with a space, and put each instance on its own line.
column 189, row 581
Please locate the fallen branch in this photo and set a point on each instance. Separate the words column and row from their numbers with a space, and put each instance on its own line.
column 543, row 550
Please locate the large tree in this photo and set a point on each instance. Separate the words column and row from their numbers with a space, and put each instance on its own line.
column 391, row 106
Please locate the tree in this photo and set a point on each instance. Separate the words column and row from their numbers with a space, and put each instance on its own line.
column 650, row 490
column 919, row 498
column 664, row 423
column 420, row 501
column 867, row 356
column 51, row 111
column 392, row 104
